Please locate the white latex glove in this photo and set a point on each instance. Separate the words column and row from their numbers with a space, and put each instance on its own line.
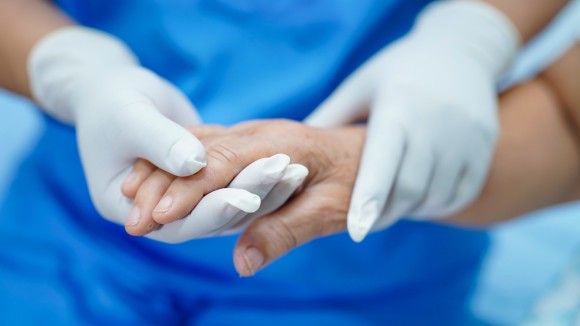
column 260, row 188
column 546, row 47
column 121, row 111
column 433, row 115
column 272, row 200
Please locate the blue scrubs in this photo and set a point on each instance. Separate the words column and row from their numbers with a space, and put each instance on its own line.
column 61, row 263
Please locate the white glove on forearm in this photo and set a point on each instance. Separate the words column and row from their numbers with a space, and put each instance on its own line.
column 544, row 49
column 433, row 115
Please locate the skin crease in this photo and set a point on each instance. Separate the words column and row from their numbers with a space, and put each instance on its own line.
column 537, row 164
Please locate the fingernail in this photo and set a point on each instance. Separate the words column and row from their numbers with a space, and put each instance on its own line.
column 134, row 216
column 131, row 178
column 187, row 157
column 252, row 260
column 164, row 205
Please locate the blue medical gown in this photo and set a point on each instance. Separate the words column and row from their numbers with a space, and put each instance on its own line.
column 61, row 263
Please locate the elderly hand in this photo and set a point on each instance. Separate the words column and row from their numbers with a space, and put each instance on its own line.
column 331, row 156
column 260, row 188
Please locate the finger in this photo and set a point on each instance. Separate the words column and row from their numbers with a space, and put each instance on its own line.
column 141, row 171
column 471, row 182
column 183, row 194
column 162, row 142
column 292, row 180
column 412, row 181
column 260, row 176
column 175, row 105
column 446, row 176
column 236, row 202
column 383, row 151
column 348, row 103
column 140, row 220
column 107, row 196
column 272, row 236
column 258, row 179
column 215, row 209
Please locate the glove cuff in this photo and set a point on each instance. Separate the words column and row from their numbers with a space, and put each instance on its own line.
column 478, row 28
column 545, row 48
column 60, row 59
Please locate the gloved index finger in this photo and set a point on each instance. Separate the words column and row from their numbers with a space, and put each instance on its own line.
column 277, row 197
column 161, row 141
column 381, row 159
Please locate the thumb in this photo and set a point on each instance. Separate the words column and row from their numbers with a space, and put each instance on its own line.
column 158, row 129
column 348, row 103
column 163, row 142
column 176, row 106
column 270, row 237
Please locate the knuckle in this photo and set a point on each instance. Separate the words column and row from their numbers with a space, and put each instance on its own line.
column 331, row 213
column 285, row 238
column 224, row 154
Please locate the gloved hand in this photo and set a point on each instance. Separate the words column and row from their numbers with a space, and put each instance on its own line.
column 433, row 115
column 121, row 111
column 273, row 200
column 258, row 190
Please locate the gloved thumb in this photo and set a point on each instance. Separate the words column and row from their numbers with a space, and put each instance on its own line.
column 163, row 142
column 349, row 102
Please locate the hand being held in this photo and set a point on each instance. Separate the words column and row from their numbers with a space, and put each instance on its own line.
column 319, row 208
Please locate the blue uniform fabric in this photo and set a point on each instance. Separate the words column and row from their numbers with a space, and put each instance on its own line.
column 61, row 263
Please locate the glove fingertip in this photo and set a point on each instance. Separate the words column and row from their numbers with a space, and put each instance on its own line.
column 245, row 201
column 276, row 165
column 186, row 157
column 361, row 219
column 296, row 173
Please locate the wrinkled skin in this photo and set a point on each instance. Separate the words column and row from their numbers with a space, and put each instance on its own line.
column 318, row 209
